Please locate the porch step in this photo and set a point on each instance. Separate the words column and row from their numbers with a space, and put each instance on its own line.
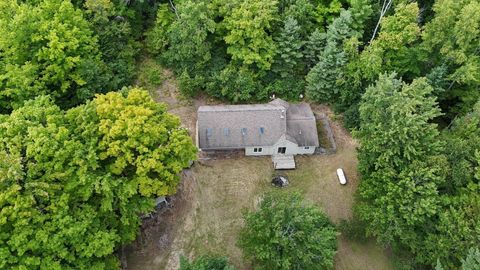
column 283, row 162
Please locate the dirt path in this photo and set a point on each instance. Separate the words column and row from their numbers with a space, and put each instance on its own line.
column 207, row 211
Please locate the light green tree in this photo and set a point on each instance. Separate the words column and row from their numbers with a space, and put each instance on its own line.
column 47, row 48
column 396, row 49
column 247, row 34
column 75, row 183
column 451, row 39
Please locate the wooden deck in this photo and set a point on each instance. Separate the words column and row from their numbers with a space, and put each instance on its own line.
column 283, row 162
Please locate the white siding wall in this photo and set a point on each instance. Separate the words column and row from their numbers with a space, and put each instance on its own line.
column 292, row 149
column 266, row 151
column 302, row 151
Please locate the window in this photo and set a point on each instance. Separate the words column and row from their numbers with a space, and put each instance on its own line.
column 257, row 149
column 281, row 150
column 209, row 132
column 307, row 147
column 244, row 131
column 262, row 130
column 226, row 132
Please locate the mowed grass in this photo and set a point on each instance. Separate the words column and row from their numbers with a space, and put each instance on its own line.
column 224, row 188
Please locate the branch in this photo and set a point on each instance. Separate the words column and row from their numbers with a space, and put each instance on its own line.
column 174, row 8
column 385, row 7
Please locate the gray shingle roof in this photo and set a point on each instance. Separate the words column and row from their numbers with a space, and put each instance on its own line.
column 239, row 126
column 301, row 124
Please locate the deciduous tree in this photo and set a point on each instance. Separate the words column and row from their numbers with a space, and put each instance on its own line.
column 247, row 35
column 288, row 233
column 75, row 183
column 47, row 49
column 400, row 161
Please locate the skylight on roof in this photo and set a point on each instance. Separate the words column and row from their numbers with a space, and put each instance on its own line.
column 226, row 132
column 262, row 130
column 244, row 131
column 209, row 132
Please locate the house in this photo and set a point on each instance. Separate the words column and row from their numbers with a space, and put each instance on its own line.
column 277, row 128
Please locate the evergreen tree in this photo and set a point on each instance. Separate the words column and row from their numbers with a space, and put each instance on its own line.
column 322, row 80
column 313, row 48
column 289, row 50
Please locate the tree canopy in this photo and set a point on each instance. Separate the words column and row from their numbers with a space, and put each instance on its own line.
column 47, row 48
column 75, row 182
column 79, row 163
column 288, row 233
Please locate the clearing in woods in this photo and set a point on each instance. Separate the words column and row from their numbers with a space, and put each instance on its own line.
column 206, row 213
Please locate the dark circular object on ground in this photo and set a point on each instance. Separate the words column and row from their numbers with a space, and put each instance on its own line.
column 280, row 181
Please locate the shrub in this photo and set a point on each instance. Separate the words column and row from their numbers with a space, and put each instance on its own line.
column 353, row 229
column 150, row 75
column 206, row 263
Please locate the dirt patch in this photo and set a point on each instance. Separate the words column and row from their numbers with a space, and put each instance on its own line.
column 158, row 233
column 341, row 135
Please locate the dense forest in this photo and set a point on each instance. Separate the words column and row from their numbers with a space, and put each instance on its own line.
column 79, row 144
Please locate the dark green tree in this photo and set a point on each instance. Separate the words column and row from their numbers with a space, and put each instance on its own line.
column 238, row 84
column 322, row 80
column 313, row 47
column 115, row 42
column 400, row 161
column 327, row 79
column 206, row 263
column 288, row 61
column 288, row 233
column 451, row 39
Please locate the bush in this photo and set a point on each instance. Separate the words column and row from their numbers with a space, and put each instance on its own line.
column 206, row 263
column 353, row 229
column 288, row 233
column 351, row 118
column 150, row 75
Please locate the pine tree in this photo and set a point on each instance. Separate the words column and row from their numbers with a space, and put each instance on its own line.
column 289, row 49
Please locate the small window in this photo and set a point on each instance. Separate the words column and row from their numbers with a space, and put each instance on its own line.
column 209, row 132
column 260, row 149
column 257, row 149
column 226, row 132
column 262, row 130
column 307, row 147
column 244, row 131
